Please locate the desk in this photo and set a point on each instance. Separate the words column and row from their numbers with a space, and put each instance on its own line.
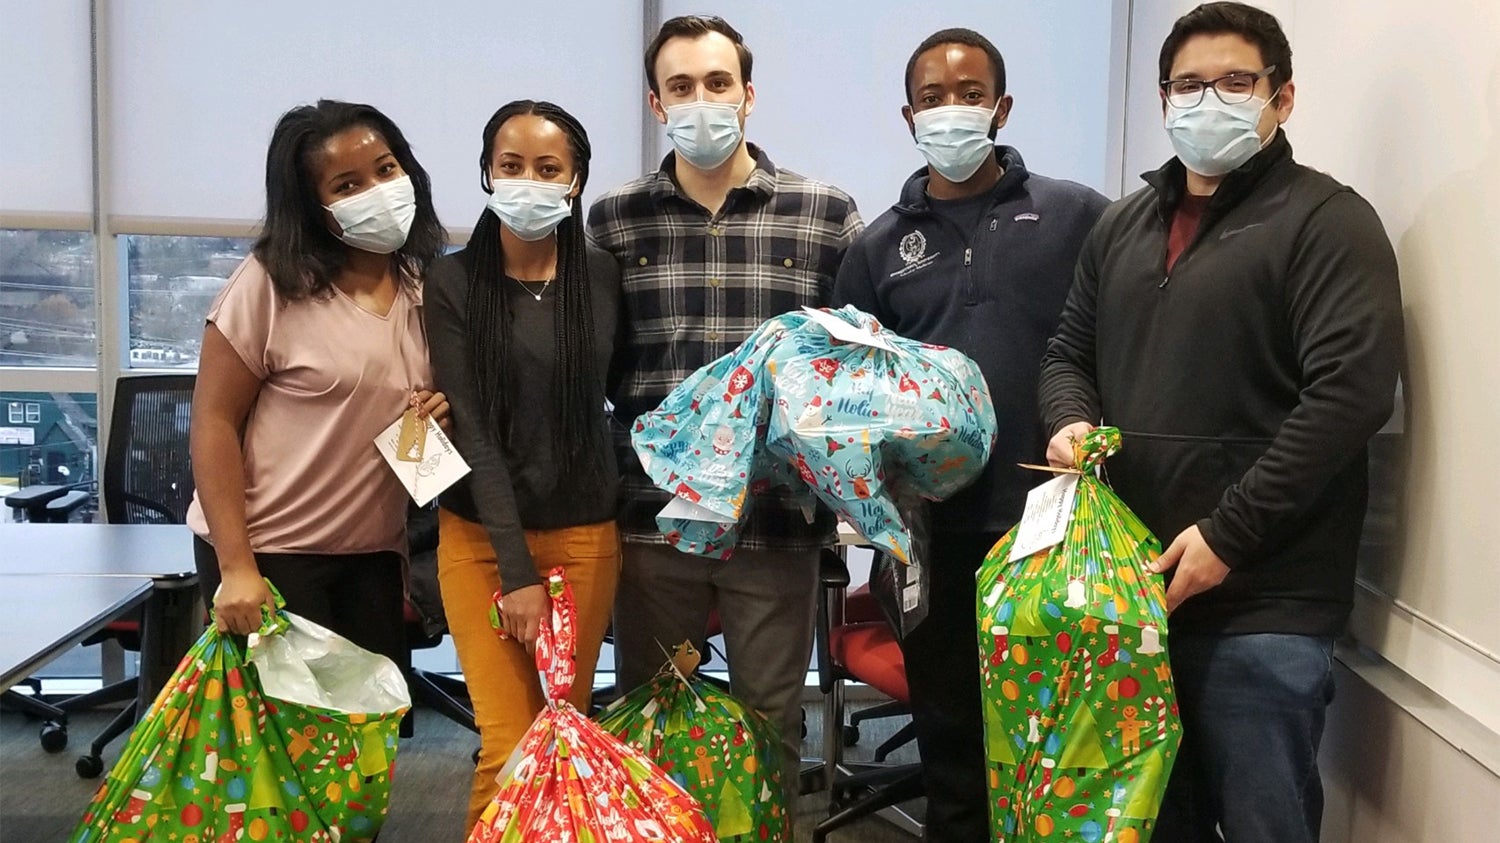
column 41, row 617
column 78, row 553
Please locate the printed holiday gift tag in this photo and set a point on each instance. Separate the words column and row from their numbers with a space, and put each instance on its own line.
column 439, row 467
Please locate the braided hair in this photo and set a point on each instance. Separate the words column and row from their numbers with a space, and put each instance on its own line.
column 578, row 436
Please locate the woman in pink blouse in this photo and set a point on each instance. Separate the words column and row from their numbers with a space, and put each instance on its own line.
column 313, row 348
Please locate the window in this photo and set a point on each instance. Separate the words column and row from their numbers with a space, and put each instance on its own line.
column 172, row 282
column 51, row 437
column 47, row 298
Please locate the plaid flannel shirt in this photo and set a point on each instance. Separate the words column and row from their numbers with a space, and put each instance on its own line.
column 695, row 286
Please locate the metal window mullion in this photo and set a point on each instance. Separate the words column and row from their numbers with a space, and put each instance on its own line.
column 109, row 289
column 650, row 134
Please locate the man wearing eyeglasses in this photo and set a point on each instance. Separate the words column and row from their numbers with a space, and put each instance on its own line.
column 1240, row 320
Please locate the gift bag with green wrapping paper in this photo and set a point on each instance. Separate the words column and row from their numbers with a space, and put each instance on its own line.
column 1080, row 714
column 219, row 758
column 726, row 754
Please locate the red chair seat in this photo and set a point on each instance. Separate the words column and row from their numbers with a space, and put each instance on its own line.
column 860, row 606
column 870, row 653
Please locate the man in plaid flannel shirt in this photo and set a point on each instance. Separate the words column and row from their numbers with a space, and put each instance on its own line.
column 711, row 245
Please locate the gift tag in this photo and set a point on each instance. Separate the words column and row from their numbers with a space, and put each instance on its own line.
column 689, row 511
column 439, row 467
column 412, row 440
column 841, row 330
column 1045, row 521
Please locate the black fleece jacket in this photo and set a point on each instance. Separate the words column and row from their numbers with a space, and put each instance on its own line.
column 1246, row 383
column 994, row 293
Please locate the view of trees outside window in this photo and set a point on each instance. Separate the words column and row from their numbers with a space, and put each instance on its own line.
column 172, row 281
column 47, row 299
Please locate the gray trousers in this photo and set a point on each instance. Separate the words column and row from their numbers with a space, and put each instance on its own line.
column 766, row 602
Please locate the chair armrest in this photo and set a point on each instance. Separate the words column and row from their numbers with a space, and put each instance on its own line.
column 833, row 572
column 34, row 496
column 152, row 505
column 59, row 508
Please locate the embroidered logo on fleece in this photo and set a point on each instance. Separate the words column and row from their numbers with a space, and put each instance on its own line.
column 913, row 252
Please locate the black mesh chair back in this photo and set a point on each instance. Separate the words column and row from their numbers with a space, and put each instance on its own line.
column 148, row 475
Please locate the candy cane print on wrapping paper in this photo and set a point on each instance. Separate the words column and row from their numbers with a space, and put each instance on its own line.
column 1161, row 707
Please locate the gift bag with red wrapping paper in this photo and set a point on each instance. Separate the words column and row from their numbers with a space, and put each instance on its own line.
column 569, row 779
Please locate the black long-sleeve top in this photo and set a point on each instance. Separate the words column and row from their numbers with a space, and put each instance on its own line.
column 516, row 483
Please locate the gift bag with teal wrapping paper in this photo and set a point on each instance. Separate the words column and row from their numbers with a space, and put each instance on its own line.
column 726, row 754
column 294, row 741
column 830, row 404
column 1080, row 713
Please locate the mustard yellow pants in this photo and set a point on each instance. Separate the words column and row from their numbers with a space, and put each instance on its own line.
column 503, row 684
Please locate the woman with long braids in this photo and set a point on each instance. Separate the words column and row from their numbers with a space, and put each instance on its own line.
column 311, row 350
column 521, row 325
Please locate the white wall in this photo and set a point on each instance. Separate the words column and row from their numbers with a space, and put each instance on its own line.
column 829, row 80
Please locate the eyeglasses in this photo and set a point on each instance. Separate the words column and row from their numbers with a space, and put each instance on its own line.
column 1231, row 89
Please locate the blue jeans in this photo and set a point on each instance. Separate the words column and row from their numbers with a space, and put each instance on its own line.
column 1253, row 708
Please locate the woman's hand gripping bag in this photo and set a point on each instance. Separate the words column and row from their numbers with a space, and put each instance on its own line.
column 569, row 779
column 1080, row 713
column 726, row 754
column 294, row 741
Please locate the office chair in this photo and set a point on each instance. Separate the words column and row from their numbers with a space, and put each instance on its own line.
column 148, row 479
column 864, row 651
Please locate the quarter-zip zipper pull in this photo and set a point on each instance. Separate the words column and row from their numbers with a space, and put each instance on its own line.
column 1163, row 283
column 968, row 256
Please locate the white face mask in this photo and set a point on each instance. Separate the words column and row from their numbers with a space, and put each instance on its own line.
column 1212, row 138
column 705, row 133
column 378, row 219
column 955, row 139
column 530, row 209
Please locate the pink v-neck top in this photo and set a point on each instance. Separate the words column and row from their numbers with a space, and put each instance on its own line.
column 333, row 376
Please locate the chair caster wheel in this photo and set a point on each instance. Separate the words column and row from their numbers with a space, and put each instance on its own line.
column 89, row 766
column 54, row 736
column 850, row 735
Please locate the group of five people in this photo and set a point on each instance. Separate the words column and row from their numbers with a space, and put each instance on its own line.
column 1238, row 318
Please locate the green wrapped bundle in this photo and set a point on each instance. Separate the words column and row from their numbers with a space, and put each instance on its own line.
column 220, row 756
column 1080, row 714
column 727, row 755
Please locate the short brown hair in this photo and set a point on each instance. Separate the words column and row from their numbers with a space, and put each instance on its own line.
column 692, row 27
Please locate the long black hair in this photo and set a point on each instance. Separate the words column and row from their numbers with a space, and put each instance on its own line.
column 299, row 252
column 578, row 436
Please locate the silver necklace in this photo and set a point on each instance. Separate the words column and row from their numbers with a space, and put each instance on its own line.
column 527, row 287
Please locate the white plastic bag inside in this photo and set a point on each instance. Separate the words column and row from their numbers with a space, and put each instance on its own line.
column 311, row 665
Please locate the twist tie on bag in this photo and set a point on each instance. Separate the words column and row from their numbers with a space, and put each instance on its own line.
column 1089, row 453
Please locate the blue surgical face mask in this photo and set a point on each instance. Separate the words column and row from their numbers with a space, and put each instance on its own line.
column 530, row 209
column 1213, row 138
column 377, row 220
column 704, row 133
column 955, row 139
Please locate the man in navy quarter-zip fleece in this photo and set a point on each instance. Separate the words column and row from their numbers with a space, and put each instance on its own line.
column 978, row 255
column 1239, row 319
